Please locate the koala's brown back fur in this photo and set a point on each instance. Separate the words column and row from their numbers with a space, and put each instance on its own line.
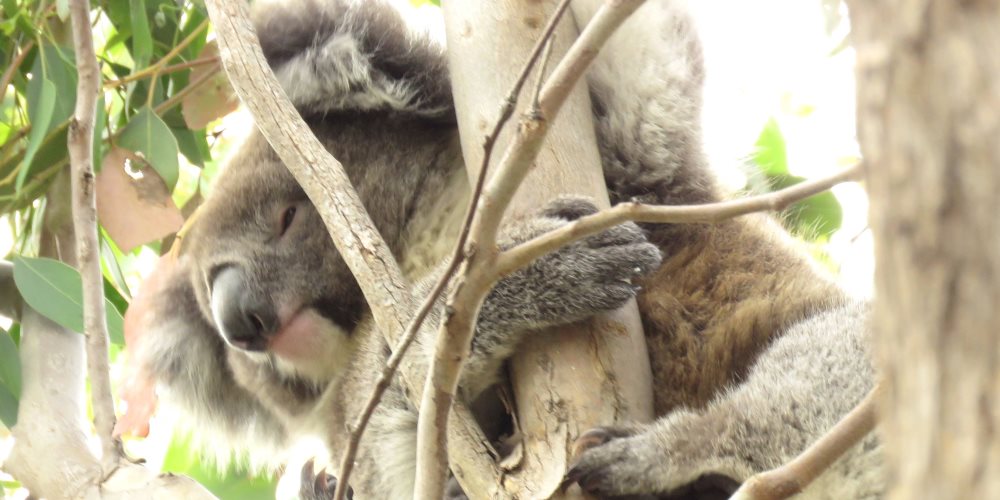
column 718, row 302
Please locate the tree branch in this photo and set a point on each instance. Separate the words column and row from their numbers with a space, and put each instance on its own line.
column 457, row 257
column 795, row 476
column 328, row 187
column 80, row 145
column 454, row 338
column 316, row 170
column 711, row 213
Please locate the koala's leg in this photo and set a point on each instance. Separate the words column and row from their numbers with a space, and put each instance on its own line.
column 782, row 407
column 570, row 284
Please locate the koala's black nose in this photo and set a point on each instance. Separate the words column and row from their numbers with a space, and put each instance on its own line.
column 245, row 316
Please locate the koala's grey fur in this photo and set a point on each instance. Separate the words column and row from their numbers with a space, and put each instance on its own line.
column 754, row 352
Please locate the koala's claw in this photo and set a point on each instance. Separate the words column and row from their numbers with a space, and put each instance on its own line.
column 605, row 456
column 318, row 486
column 569, row 207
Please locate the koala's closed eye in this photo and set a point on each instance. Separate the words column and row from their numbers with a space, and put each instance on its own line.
column 287, row 218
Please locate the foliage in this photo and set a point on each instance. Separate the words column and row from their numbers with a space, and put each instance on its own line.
column 814, row 218
column 163, row 91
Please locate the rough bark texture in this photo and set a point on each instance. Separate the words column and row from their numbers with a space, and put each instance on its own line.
column 929, row 119
column 576, row 377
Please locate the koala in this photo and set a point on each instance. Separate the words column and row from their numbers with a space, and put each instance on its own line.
column 261, row 336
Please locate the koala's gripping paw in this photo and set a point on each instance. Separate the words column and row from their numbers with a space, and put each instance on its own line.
column 595, row 274
column 624, row 463
column 318, row 486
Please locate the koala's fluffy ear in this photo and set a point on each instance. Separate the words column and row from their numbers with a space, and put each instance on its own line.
column 335, row 55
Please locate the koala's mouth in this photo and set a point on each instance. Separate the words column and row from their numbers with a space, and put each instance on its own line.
column 303, row 333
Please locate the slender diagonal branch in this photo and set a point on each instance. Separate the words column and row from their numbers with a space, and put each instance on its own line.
column 80, row 145
column 795, row 476
column 527, row 252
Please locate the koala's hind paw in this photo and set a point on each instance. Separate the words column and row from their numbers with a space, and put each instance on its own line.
column 624, row 463
column 318, row 486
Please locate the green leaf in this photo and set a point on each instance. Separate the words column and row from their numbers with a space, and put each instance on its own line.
column 41, row 105
column 100, row 121
column 147, row 134
column 58, row 65
column 193, row 145
column 770, row 153
column 816, row 217
column 55, row 291
column 62, row 9
column 142, row 38
column 10, row 364
column 8, row 408
column 232, row 484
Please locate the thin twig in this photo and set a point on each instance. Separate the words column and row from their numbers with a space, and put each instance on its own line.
column 158, row 66
column 455, row 335
column 794, row 476
column 173, row 68
column 189, row 88
column 457, row 257
column 535, row 108
column 526, row 252
column 80, row 145
column 15, row 63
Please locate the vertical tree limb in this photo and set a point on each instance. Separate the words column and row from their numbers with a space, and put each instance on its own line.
column 473, row 35
column 928, row 123
column 80, row 144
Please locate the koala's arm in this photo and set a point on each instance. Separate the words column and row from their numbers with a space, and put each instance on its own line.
column 783, row 406
column 575, row 282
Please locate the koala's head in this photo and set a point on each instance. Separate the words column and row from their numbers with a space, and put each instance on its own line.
column 262, row 266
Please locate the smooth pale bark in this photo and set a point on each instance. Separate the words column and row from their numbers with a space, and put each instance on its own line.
column 570, row 379
column 929, row 123
column 51, row 456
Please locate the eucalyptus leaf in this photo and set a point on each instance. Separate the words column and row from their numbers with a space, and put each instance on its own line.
column 10, row 364
column 147, row 134
column 8, row 408
column 142, row 37
column 770, row 152
column 55, row 291
column 41, row 105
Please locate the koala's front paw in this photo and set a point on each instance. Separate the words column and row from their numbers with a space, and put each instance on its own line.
column 318, row 486
column 583, row 278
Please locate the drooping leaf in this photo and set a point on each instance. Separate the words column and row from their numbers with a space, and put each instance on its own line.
column 62, row 9
column 770, row 153
column 100, row 121
column 58, row 65
column 8, row 408
column 55, row 291
column 193, row 145
column 214, row 98
column 134, row 209
column 147, row 134
column 41, row 105
column 142, row 37
column 10, row 364
column 816, row 217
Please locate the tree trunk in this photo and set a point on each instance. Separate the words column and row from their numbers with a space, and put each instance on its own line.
column 576, row 377
column 929, row 123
